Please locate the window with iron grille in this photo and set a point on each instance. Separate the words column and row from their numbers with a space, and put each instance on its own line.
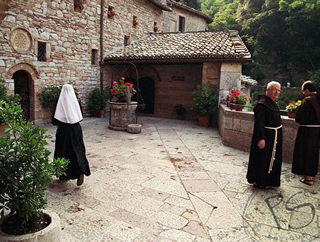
column 41, row 51
column 94, row 55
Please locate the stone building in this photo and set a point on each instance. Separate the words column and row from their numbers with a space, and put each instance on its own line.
column 53, row 42
column 170, row 65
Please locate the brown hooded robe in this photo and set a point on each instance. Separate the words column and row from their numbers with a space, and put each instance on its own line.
column 306, row 151
column 266, row 114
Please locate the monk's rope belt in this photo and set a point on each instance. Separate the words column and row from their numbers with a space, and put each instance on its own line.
column 310, row 125
column 274, row 145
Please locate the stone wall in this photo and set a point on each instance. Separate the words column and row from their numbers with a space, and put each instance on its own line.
column 70, row 37
column 211, row 73
column 236, row 130
column 192, row 22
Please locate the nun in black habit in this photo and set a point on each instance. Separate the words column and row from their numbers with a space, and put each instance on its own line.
column 69, row 138
column 265, row 159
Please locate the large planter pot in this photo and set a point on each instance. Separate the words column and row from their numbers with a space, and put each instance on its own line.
column 122, row 114
column 204, row 121
column 48, row 234
column 99, row 113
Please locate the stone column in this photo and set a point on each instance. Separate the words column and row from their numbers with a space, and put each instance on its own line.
column 229, row 79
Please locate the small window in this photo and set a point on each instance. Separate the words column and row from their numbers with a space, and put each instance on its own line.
column 155, row 27
column 182, row 24
column 94, row 55
column 126, row 40
column 135, row 21
column 41, row 51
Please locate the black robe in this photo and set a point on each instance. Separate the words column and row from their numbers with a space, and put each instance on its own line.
column 70, row 145
column 266, row 113
column 306, row 151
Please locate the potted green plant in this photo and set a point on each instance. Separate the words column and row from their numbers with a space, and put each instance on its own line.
column 205, row 102
column 25, row 173
column 97, row 102
column 180, row 110
column 49, row 96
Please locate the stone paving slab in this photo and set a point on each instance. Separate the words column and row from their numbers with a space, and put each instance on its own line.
column 175, row 181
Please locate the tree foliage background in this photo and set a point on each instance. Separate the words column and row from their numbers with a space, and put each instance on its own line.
column 283, row 36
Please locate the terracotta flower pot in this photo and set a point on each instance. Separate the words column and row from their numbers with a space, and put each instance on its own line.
column 204, row 121
column 238, row 107
column 291, row 115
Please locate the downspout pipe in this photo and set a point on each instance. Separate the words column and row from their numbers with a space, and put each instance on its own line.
column 101, row 43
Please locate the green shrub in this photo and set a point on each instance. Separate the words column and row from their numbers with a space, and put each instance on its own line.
column 205, row 100
column 97, row 100
column 287, row 95
column 7, row 98
column 3, row 90
column 25, row 170
column 49, row 96
column 180, row 109
column 315, row 77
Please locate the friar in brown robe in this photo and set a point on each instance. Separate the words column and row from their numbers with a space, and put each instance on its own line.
column 306, row 150
column 264, row 168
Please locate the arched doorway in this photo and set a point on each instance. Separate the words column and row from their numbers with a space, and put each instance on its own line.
column 22, row 87
column 146, row 86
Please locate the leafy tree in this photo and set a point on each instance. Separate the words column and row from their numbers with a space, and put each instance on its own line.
column 212, row 7
column 283, row 36
column 226, row 17
column 315, row 77
column 303, row 21
column 264, row 30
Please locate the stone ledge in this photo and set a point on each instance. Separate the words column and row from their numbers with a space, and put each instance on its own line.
column 236, row 128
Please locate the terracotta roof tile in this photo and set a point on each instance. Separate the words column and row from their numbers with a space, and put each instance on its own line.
column 187, row 46
column 161, row 5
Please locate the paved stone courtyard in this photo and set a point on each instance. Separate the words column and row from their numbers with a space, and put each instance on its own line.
column 175, row 181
